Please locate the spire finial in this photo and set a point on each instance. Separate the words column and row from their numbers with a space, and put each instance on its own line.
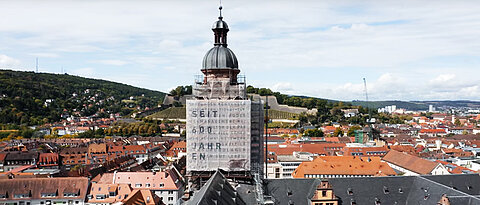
column 220, row 8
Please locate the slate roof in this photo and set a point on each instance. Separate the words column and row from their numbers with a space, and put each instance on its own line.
column 217, row 190
column 14, row 156
column 423, row 190
column 468, row 183
column 288, row 191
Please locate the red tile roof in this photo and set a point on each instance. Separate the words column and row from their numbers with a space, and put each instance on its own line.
column 343, row 165
column 37, row 186
column 320, row 149
column 167, row 180
column 410, row 162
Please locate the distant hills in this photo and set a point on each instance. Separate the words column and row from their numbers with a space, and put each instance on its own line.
column 420, row 105
column 36, row 98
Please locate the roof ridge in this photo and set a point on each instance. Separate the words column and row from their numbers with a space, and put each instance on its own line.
column 443, row 185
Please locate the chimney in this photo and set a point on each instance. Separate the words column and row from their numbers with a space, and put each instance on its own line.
column 444, row 200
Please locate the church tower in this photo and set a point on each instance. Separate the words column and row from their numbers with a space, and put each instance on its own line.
column 220, row 78
column 224, row 127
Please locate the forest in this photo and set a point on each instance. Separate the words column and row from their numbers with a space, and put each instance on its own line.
column 28, row 98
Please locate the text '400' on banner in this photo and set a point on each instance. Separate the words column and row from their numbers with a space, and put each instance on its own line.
column 218, row 135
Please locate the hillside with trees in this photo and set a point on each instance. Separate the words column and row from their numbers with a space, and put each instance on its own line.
column 35, row 98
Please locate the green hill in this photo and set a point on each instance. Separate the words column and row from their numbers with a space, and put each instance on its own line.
column 180, row 113
column 36, row 98
column 420, row 105
column 170, row 113
column 400, row 104
column 277, row 114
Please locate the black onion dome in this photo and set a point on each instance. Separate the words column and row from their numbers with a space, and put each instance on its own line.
column 220, row 24
column 220, row 57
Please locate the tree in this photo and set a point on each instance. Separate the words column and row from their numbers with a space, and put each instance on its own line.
column 313, row 133
column 351, row 131
column 264, row 91
column 457, row 122
column 338, row 132
column 251, row 89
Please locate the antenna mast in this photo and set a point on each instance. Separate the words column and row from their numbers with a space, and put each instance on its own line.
column 36, row 65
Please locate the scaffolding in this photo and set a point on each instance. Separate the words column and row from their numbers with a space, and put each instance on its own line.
column 219, row 88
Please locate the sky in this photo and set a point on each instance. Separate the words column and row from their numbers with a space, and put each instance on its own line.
column 406, row 50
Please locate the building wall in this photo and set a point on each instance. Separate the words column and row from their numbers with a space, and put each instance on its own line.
column 440, row 170
column 46, row 201
column 257, row 140
column 401, row 169
column 288, row 168
column 323, row 176
column 169, row 197
column 274, row 171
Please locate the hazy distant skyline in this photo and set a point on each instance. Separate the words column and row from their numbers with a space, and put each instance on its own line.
column 407, row 50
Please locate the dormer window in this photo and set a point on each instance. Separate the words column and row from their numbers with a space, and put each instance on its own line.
column 70, row 194
column 385, row 190
column 48, row 195
column 400, row 190
column 350, row 191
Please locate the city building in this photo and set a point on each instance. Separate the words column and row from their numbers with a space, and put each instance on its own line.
column 343, row 166
column 413, row 165
column 15, row 160
column 100, row 194
column 167, row 185
column 47, row 191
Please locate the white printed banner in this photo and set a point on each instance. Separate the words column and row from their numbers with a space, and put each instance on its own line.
column 218, row 135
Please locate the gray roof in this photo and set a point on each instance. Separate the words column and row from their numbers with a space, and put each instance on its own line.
column 217, row 190
column 220, row 24
column 25, row 156
column 220, row 57
column 468, row 183
column 291, row 191
column 464, row 189
column 414, row 190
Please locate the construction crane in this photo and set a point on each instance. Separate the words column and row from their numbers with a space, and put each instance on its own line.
column 366, row 98
column 369, row 122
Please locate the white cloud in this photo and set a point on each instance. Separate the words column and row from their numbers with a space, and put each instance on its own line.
column 45, row 55
column 84, row 72
column 112, row 62
column 443, row 78
column 408, row 50
column 8, row 62
column 283, row 87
